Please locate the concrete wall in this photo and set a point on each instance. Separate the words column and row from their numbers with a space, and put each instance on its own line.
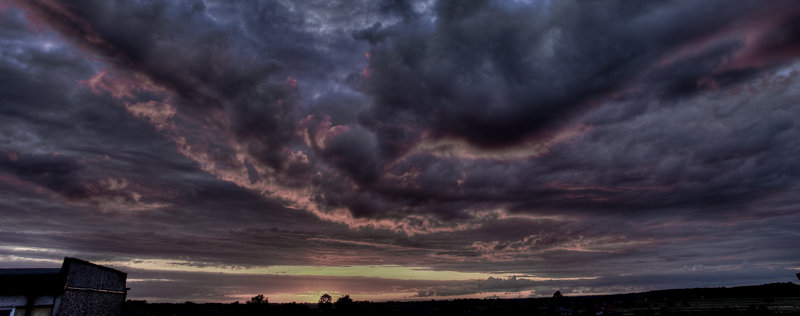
column 90, row 303
column 91, row 290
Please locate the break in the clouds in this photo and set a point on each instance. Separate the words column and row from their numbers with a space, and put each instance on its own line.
column 464, row 148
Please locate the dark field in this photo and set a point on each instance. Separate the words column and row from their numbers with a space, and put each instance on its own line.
column 730, row 306
column 768, row 299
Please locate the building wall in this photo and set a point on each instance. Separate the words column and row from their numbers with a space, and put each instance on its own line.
column 13, row 300
column 90, row 303
column 86, row 275
column 91, row 290
column 22, row 300
column 79, row 288
column 42, row 305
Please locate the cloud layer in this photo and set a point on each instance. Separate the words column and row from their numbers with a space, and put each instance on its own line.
column 597, row 142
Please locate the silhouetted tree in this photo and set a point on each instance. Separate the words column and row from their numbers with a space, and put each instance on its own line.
column 258, row 305
column 558, row 298
column 344, row 303
column 325, row 301
column 258, row 299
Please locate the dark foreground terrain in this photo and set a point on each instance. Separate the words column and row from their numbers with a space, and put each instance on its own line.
column 768, row 299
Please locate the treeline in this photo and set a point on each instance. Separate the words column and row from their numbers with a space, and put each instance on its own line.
column 663, row 302
column 773, row 290
column 358, row 308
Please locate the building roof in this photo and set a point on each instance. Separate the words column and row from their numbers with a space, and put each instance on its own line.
column 68, row 260
column 39, row 271
column 53, row 281
column 32, row 281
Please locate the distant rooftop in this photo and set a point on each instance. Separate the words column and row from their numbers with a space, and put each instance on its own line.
column 35, row 271
column 33, row 281
column 51, row 281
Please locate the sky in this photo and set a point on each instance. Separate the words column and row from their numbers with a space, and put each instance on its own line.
column 402, row 149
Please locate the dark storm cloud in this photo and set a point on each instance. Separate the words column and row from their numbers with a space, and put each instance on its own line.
column 73, row 158
column 57, row 173
column 482, row 136
column 481, row 71
column 235, row 70
column 494, row 75
column 224, row 68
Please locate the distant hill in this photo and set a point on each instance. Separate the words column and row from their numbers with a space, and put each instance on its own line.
column 787, row 289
